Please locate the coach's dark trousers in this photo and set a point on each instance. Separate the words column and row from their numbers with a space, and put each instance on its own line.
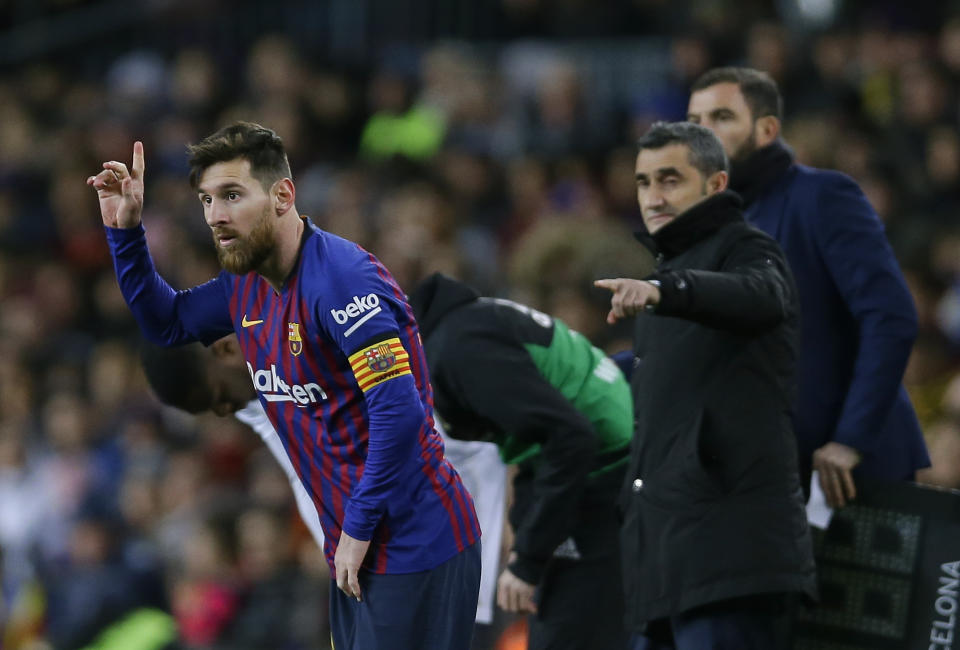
column 752, row 623
column 430, row 610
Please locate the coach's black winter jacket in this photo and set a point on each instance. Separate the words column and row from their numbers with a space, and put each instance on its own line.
column 711, row 502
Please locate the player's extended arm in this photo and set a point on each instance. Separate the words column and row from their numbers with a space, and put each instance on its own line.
column 166, row 316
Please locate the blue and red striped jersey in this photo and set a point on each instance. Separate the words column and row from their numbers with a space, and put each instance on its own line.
column 339, row 367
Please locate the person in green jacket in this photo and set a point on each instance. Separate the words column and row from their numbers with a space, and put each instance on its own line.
column 561, row 411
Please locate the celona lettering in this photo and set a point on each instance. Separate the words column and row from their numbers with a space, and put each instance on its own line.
column 275, row 389
column 945, row 608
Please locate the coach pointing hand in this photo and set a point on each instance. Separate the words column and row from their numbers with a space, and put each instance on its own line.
column 714, row 536
column 629, row 296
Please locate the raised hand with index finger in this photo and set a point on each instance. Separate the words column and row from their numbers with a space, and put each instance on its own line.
column 120, row 191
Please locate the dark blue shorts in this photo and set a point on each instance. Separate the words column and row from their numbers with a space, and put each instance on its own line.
column 429, row 610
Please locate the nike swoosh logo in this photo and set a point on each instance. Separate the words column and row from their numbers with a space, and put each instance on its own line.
column 250, row 323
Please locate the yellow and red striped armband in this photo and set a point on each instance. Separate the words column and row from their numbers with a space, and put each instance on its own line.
column 379, row 362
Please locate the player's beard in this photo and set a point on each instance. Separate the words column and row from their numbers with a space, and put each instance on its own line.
column 246, row 254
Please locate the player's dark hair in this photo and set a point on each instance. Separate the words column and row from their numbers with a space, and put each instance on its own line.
column 759, row 89
column 705, row 151
column 258, row 145
column 177, row 375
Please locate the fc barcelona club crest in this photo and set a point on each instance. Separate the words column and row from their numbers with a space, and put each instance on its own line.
column 293, row 336
column 380, row 358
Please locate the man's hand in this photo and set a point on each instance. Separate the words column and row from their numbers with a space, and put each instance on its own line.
column 515, row 595
column 347, row 561
column 629, row 296
column 835, row 463
column 120, row 191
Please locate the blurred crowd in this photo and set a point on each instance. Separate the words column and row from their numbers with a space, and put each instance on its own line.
column 508, row 164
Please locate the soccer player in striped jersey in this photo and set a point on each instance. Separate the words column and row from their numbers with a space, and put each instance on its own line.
column 333, row 350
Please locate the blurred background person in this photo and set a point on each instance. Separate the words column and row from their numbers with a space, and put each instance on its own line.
column 858, row 321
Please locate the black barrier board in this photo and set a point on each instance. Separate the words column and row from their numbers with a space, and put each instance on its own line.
column 889, row 572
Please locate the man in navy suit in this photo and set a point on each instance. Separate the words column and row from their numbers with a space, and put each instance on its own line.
column 858, row 320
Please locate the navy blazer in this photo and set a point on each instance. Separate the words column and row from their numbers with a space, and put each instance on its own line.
column 858, row 320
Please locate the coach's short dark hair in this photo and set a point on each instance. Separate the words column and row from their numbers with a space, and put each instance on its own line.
column 759, row 89
column 706, row 152
column 258, row 145
column 177, row 375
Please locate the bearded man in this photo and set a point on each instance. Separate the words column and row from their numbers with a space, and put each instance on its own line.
column 334, row 352
column 858, row 321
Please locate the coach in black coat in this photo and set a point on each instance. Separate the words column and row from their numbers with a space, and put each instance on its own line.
column 714, row 527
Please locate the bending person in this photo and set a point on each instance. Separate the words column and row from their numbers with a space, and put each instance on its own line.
column 220, row 382
column 561, row 411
